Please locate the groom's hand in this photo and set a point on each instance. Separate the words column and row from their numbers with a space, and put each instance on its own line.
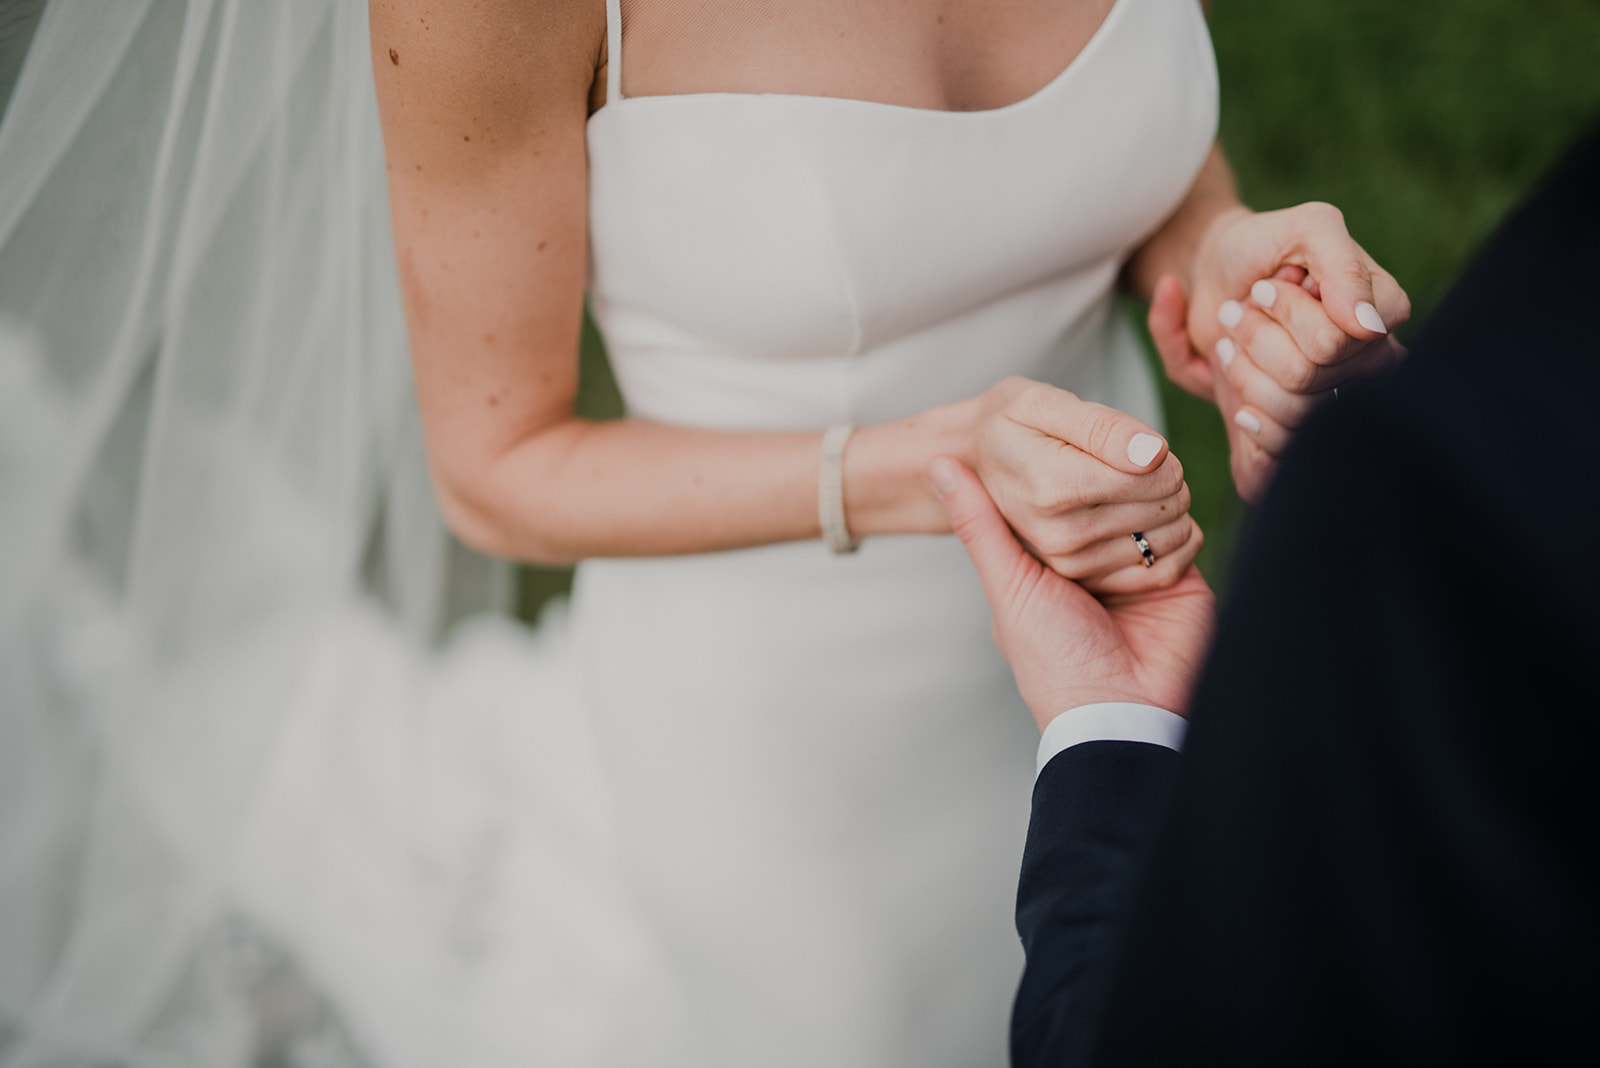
column 1066, row 648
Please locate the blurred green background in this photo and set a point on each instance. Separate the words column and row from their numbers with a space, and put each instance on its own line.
column 1423, row 120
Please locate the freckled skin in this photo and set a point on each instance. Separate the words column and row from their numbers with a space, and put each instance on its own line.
column 510, row 80
column 492, row 246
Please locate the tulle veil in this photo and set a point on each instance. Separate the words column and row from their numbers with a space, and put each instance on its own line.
column 216, row 531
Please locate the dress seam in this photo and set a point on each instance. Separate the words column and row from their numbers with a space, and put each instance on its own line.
column 846, row 281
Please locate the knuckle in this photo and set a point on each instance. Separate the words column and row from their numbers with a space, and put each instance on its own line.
column 1090, row 524
column 1245, row 386
column 1165, row 577
column 1102, row 426
column 1291, row 376
column 1322, row 213
column 1248, row 329
column 1066, row 556
column 1303, row 376
column 1171, row 545
column 1049, row 497
column 1172, row 472
column 1043, row 395
column 1067, row 541
column 1183, row 500
column 1032, row 404
column 1103, row 484
column 1043, row 500
column 1007, row 392
column 1355, row 273
column 1328, row 343
column 1401, row 313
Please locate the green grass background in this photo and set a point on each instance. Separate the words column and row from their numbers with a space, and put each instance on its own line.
column 1423, row 120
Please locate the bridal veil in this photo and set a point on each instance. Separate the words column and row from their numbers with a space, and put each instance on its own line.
column 217, row 544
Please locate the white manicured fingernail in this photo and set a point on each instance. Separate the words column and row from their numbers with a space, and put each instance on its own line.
column 1264, row 293
column 1230, row 314
column 1225, row 351
column 1368, row 317
column 1143, row 448
column 1247, row 421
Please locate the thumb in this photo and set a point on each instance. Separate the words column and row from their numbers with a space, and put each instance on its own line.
column 1169, row 330
column 999, row 558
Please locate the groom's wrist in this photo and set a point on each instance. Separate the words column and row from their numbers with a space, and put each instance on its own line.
column 1049, row 705
column 1110, row 721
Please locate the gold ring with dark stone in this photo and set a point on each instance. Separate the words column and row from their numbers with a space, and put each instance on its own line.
column 1144, row 549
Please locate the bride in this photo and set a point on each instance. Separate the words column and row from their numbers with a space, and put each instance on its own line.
column 759, row 802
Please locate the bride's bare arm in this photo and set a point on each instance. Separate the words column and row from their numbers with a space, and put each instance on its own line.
column 484, row 111
column 484, row 116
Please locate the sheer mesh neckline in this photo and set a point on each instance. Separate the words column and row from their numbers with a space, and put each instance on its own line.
column 615, row 97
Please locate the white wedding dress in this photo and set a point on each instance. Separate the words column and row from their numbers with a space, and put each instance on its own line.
column 749, row 808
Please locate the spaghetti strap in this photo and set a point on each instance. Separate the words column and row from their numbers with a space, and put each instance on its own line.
column 613, row 50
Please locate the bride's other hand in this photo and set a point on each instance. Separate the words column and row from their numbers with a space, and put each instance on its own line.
column 1075, row 480
column 1285, row 307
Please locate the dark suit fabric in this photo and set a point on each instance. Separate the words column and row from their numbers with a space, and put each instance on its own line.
column 1381, row 841
column 1093, row 808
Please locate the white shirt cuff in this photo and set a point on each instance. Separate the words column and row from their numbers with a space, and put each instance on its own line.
column 1111, row 721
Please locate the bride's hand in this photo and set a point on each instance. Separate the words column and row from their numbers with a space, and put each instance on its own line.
column 1285, row 308
column 1076, row 479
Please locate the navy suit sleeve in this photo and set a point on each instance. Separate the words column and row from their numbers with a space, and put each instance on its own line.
column 1094, row 807
column 1380, row 845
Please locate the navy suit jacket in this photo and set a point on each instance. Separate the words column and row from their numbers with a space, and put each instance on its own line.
column 1382, row 841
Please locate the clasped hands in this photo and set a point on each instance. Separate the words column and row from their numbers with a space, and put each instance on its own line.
column 1285, row 308
column 1078, row 616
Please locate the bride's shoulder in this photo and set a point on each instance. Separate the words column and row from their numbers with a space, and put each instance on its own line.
column 502, row 65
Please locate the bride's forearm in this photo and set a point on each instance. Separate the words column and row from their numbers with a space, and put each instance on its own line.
column 1171, row 250
column 579, row 489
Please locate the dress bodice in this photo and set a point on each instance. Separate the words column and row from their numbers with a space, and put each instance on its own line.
column 818, row 764
column 785, row 262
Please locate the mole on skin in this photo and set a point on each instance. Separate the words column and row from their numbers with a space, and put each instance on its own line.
column 394, row 57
